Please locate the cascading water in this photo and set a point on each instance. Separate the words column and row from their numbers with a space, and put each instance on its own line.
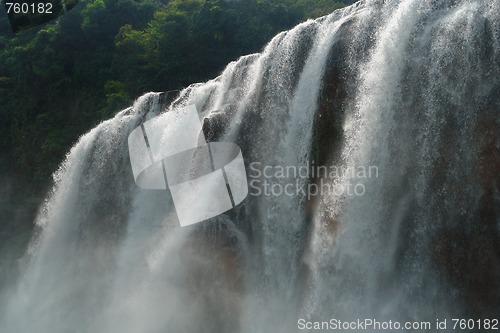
column 407, row 89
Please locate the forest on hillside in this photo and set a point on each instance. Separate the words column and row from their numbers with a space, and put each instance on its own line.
column 60, row 79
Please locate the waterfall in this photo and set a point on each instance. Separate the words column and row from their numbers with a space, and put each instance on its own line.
column 383, row 121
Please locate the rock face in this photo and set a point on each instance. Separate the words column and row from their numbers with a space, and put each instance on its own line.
column 407, row 88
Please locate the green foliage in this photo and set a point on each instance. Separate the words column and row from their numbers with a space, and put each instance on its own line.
column 116, row 97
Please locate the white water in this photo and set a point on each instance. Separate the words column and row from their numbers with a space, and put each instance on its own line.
column 420, row 76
